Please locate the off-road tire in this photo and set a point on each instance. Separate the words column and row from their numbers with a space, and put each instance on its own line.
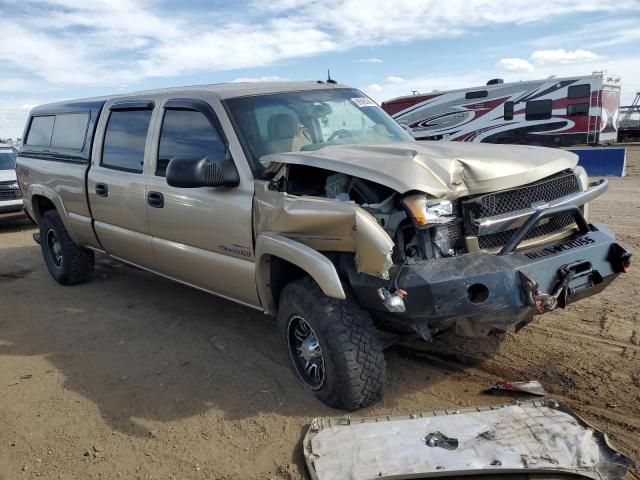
column 77, row 263
column 355, row 372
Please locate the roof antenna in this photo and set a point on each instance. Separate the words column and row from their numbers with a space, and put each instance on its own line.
column 329, row 79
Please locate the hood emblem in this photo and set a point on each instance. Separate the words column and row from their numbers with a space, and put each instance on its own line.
column 540, row 205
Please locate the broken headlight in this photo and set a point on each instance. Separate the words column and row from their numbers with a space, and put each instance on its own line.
column 426, row 213
column 438, row 230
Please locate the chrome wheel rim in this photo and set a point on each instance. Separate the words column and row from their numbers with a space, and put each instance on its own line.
column 306, row 352
column 55, row 248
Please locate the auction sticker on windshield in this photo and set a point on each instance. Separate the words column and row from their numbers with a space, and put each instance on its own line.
column 364, row 102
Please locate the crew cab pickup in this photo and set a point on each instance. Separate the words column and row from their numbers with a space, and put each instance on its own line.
column 306, row 201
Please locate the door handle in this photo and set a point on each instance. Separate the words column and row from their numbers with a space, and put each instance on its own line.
column 155, row 199
column 102, row 190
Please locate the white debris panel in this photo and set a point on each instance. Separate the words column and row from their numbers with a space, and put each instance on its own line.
column 535, row 436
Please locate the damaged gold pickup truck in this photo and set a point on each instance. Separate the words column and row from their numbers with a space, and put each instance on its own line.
column 306, row 201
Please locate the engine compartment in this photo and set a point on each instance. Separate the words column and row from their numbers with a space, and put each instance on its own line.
column 412, row 242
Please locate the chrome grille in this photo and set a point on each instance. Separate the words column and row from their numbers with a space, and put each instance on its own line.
column 8, row 193
column 506, row 201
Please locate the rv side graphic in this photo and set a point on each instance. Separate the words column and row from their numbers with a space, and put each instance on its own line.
column 550, row 112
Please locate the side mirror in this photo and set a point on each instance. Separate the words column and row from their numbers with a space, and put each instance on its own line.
column 200, row 172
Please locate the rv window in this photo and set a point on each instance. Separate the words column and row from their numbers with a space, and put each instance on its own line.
column 124, row 140
column 476, row 94
column 538, row 110
column 40, row 131
column 579, row 91
column 69, row 130
column 578, row 109
column 508, row 110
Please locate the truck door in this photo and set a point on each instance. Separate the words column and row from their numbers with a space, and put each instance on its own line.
column 116, row 184
column 201, row 236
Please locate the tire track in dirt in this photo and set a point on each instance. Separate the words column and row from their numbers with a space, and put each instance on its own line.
column 614, row 344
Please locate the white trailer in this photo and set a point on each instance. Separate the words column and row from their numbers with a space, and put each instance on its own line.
column 551, row 112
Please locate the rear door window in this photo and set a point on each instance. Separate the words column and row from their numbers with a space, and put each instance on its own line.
column 40, row 131
column 125, row 139
column 70, row 130
column 538, row 109
column 188, row 134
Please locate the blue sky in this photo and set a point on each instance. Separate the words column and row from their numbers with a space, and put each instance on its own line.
column 60, row 49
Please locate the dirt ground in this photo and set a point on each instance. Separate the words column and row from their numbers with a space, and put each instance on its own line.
column 133, row 376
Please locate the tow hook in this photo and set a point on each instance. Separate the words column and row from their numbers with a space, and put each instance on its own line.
column 394, row 302
column 546, row 302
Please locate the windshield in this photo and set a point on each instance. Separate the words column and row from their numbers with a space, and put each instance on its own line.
column 7, row 159
column 309, row 120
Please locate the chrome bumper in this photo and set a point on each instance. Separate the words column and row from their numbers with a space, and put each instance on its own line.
column 513, row 220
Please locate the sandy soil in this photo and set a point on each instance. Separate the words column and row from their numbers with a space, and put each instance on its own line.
column 133, row 376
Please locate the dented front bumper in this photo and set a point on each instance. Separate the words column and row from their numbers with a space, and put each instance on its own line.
column 480, row 292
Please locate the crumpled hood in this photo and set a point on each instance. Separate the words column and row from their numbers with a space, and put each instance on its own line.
column 441, row 169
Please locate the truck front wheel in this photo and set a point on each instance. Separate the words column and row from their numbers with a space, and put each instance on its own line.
column 67, row 263
column 333, row 346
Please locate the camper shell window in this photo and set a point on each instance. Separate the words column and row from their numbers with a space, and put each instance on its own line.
column 508, row 110
column 579, row 91
column 62, row 132
column 578, row 110
column 70, row 131
column 40, row 131
column 476, row 94
column 538, row 109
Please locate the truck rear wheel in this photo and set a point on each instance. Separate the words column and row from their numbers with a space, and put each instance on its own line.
column 333, row 346
column 67, row 263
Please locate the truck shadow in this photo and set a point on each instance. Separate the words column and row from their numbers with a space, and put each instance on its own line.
column 13, row 225
column 144, row 348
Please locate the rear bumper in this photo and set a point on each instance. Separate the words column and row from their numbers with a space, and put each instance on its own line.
column 480, row 292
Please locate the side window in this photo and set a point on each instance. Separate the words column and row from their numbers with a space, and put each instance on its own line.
column 508, row 110
column 538, row 110
column 40, row 131
column 189, row 134
column 579, row 91
column 70, row 130
column 476, row 94
column 578, row 110
column 125, row 139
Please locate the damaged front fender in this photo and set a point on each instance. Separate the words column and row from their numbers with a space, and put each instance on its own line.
column 315, row 264
column 325, row 225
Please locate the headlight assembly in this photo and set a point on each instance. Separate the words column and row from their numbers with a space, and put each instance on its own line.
column 426, row 212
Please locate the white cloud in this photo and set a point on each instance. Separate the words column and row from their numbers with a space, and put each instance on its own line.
column 597, row 34
column 265, row 78
column 374, row 87
column 515, row 65
column 563, row 56
column 393, row 79
column 109, row 42
column 369, row 60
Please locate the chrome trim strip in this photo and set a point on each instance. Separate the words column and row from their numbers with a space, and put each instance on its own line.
column 511, row 220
